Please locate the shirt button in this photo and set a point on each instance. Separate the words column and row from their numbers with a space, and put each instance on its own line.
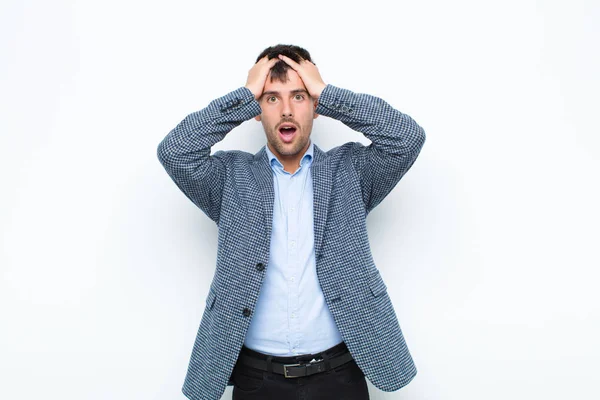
column 292, row 279
column 293, row 315
column 292, row 244
column 246, row 312
column 260, row 266
column 292, row 209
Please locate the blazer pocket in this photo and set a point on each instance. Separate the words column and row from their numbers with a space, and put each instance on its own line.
column 210, row 299
column 377, row 285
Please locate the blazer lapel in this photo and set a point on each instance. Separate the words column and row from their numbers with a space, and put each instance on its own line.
column 321, row 182
column 264, row 179
column 321, row 178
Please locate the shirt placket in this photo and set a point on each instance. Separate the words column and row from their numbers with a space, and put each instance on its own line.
column 293, row 265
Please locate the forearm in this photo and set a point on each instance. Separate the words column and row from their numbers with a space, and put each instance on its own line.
column 189, row 143
column 391, row 131
column 185, row 151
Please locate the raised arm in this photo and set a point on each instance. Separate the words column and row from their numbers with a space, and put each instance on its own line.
column 185, row 151
column 396, row 138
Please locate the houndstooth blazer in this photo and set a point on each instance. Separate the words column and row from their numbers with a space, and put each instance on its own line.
column 235, row 189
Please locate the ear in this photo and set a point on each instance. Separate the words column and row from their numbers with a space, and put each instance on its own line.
column 257, row 117
column 314, row 109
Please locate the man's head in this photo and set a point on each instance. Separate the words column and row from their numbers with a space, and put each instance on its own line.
column 279, row 70
column 287, row 108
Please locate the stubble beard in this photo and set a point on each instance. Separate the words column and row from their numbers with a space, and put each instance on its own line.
column 285, row 149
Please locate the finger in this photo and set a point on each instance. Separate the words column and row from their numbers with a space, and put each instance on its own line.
column 266, row 68
column 265, row 63
column 269, row 65
column 290, row 62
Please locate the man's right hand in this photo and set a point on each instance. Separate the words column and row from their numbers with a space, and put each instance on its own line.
column 257, row 76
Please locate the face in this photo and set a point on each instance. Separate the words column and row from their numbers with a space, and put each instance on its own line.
column 287, row 116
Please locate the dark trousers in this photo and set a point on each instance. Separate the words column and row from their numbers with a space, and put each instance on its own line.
column 345, row 382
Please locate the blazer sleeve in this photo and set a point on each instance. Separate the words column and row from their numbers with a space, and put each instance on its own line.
column 396, row 139
column 185, row 151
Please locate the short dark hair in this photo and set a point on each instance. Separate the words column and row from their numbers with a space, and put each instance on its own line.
column 279, row 70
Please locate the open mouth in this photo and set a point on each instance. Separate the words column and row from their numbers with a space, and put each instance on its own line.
column 287, row 132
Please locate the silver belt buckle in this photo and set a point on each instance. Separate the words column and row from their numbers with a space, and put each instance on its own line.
column 285, row 371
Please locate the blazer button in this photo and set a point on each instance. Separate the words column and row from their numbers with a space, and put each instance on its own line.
column 246, row 312
column 260, row 266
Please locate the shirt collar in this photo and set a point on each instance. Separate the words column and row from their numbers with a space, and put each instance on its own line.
column 306, row 158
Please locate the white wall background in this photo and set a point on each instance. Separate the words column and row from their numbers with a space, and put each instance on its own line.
column 489, row 245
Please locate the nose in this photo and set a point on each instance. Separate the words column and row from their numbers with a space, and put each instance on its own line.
column 286, row 112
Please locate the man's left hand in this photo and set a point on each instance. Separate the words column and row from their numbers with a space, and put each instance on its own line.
column 309, row 74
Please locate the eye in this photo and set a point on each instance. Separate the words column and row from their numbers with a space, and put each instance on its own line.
column 299, row 97
column 272, row 99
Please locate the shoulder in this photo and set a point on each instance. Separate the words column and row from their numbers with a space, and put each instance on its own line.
column 344, row 151
column 234, row 156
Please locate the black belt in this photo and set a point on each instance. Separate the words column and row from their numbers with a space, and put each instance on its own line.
column 296, row 370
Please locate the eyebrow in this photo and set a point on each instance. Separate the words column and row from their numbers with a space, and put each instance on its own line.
column 295, row 91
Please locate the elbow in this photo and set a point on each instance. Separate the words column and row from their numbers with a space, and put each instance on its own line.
column 417, row 138
column 421, row 136
column 163, row 153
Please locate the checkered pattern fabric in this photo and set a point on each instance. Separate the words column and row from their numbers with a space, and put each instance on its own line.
column 235, row 189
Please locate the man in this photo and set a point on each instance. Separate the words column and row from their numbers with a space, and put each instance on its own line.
column 297, row 307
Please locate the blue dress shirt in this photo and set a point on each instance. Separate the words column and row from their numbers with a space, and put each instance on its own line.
column 291, row 316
